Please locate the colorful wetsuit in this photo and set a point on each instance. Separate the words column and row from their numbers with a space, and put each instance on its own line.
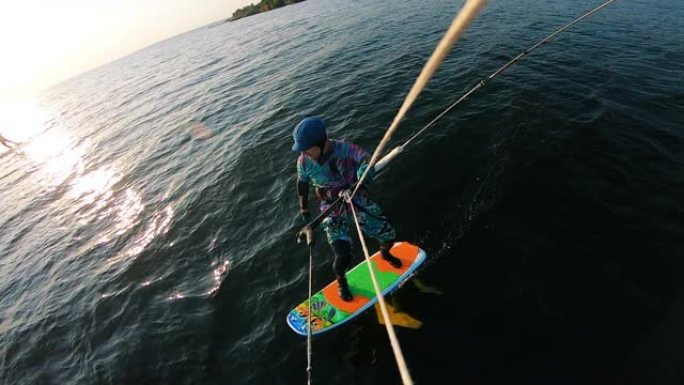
column 337, row 173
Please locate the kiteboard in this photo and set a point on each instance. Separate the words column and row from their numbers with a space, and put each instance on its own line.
column 330, row 311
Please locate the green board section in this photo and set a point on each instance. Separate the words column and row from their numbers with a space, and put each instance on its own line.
column 360, row 282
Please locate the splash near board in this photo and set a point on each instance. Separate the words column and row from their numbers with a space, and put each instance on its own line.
column 330, row 311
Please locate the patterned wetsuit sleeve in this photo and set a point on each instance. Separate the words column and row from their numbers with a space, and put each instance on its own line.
column 358, row 154
column 302, row 176
column 361, row 158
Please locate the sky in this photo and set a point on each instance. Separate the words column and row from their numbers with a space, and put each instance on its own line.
column 47, row 41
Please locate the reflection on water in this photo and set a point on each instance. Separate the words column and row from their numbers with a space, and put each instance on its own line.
column 124, row 212
column 91, row 186
column 52, row 154
column 220, row 269
column 57, row 157
column 158, row 225
column 51, row 150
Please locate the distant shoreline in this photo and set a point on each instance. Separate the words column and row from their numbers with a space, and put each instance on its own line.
column 262, row 6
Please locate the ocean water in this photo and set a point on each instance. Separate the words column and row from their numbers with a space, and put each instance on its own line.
column 549, row 203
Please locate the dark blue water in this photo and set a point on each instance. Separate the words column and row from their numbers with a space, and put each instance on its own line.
column 549, row 203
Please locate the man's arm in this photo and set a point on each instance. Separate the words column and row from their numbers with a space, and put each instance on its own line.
column 303, row 197
column 303, row 189
column 362, row 159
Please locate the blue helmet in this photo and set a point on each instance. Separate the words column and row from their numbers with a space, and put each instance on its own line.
column 308, row 133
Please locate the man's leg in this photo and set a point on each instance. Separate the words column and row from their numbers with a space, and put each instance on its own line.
column 342, row 251
column 387, row 256
column 340, row 242
column 374, row 223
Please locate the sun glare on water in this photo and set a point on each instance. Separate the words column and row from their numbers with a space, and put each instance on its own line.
column 58, row 158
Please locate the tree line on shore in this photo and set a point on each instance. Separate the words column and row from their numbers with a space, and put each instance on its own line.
column 262, row 6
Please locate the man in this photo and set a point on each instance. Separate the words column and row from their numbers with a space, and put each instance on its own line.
column 333, row 166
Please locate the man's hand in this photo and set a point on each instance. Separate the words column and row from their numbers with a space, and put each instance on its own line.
column 346, row 195
column 305, row 216
column 306, row 233
column 369, row 177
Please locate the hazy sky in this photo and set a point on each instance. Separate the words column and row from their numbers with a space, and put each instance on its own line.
column 47, row 41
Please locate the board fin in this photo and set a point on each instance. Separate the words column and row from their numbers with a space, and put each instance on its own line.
column 425, row 289
column 397, row 318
